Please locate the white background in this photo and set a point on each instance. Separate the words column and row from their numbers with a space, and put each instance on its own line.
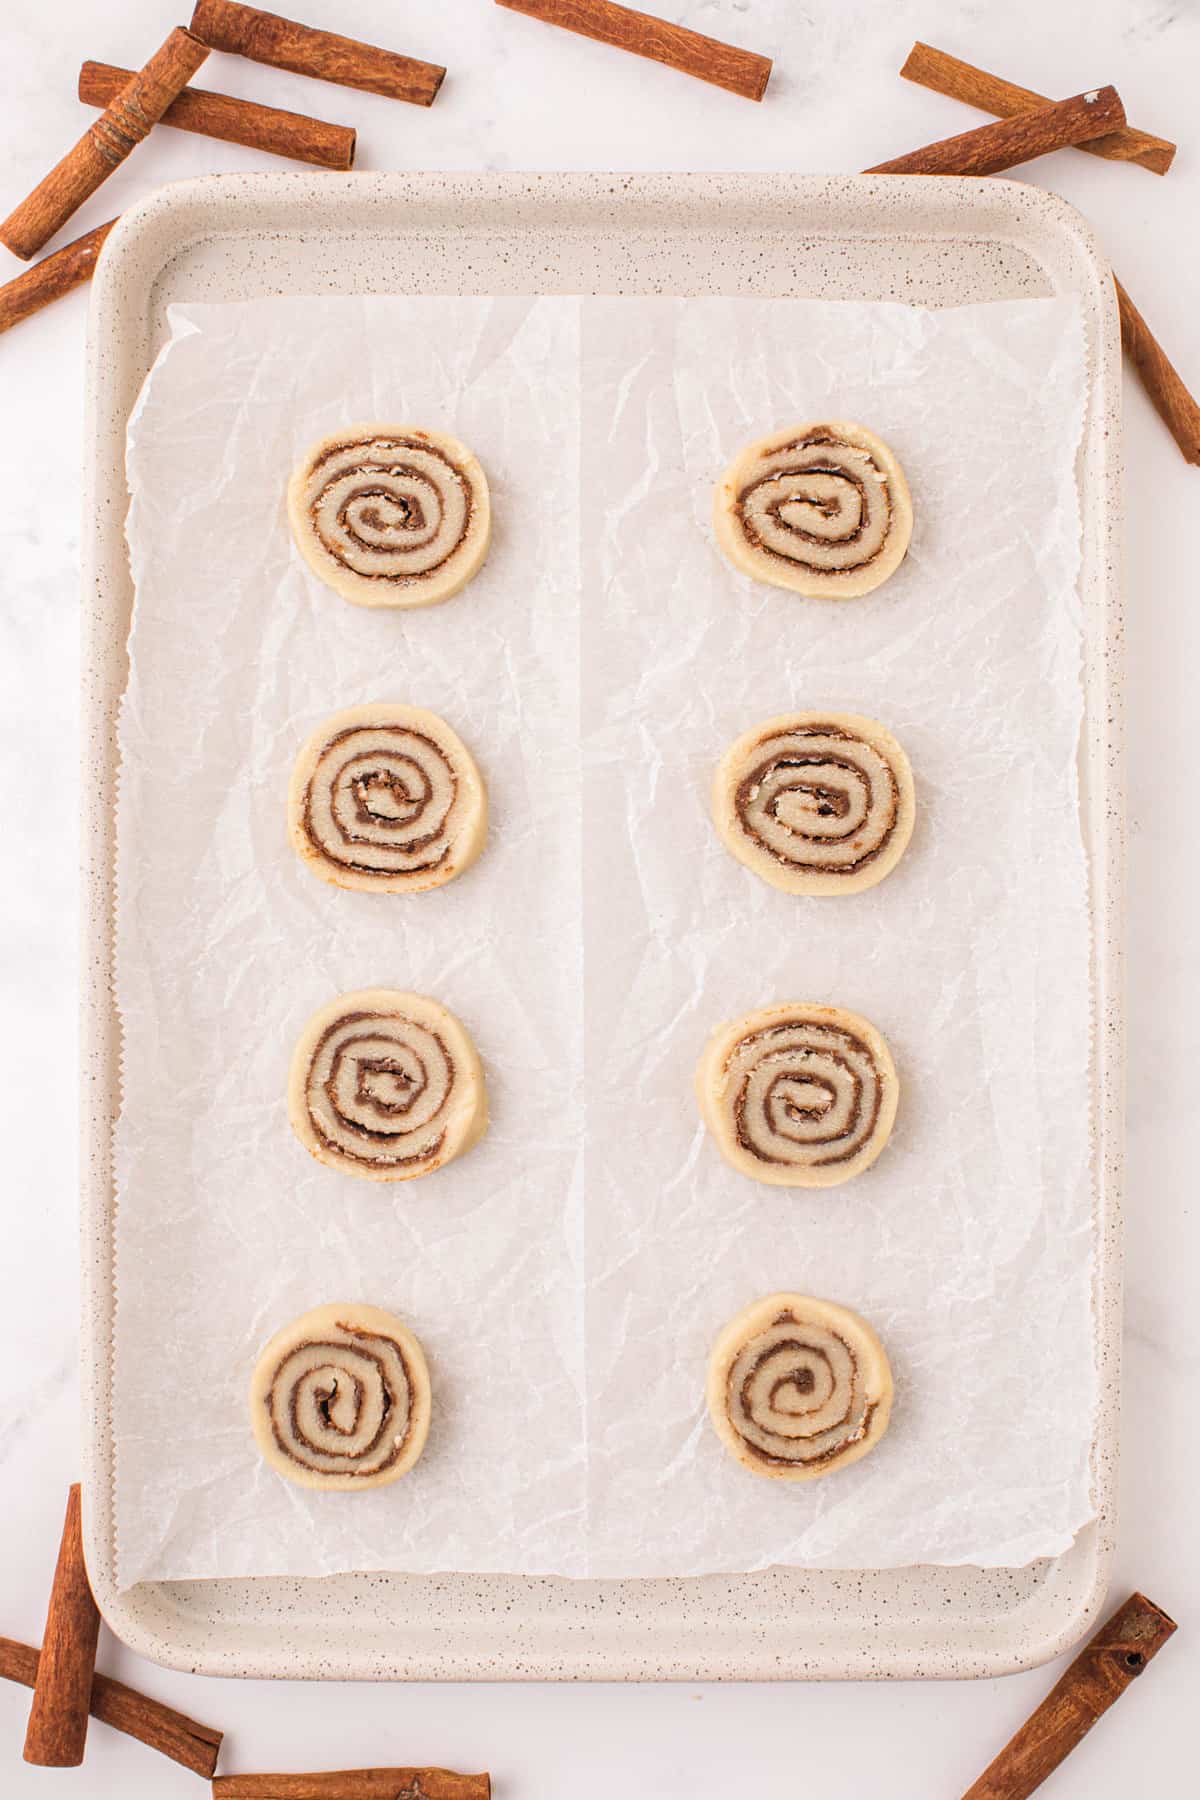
column 520, row 95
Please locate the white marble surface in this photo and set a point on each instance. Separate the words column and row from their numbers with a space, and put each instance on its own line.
column 520, row 95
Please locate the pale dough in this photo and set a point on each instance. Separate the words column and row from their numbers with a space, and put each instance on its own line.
column 391, row 515
column 340, row 1399
column 386, row 1085
column 823, row 509
column 798, row 1387
column 816, row 802
column 798, row 1095
column 386, row 799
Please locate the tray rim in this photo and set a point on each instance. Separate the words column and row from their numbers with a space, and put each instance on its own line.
column 183, row 214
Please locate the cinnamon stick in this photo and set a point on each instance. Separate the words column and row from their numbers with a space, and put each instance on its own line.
column 1163, row 383
column 356, row 1784
column 51, row 278
column 990, row 148
column 1101, row 1672
column 159, row 1727
column 289, row 134
column 725, row 66
column 263, row 37
column 62, row 1692
column 104, row 145
column 945, row 74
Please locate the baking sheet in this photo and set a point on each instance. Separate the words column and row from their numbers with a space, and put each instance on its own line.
column 973, row 1227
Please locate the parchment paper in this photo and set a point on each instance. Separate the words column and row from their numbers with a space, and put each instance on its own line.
column 568, row 1276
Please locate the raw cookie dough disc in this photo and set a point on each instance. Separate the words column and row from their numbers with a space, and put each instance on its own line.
column 816, row 802
column 798, row 1095
column 390, row 515
column 386, row 1085
column 798, row 1387
column 823, row 509
column 386, row 798
column 340, row 1399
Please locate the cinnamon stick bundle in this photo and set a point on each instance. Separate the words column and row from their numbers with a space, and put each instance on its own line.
column 263, row 37
column 62, row 1692
column 1100, row 1674
column 51, row 278
column 158, row 1727
column 945, row 74
column 708, row 59
column 990, row 148
column 356, row 1784
column 104, row 145
column 289, row 134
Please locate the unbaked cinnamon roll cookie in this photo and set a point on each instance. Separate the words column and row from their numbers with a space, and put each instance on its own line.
column 340, row 1399
column 822, row 509
column 816, row 802
column 386, row 1085
column 798, row 1387
column 390, row 515
column 386, row 798
column 798, row 1095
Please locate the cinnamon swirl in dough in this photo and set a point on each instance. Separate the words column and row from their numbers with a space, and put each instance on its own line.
column 816, row 802
column 822, row 509
column 386, row 798
column 798, row 1387
column 391, row 515
column 340, row 1399
column 386, row 1085
column 798, row 1095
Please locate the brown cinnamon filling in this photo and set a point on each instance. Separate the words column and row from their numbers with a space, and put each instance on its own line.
column 815, row 1462
column 860, row 1126
column 803, row 1381
column 369, row 1094
column 415, row 519
column 373, row 777
column 296, row 1443
column 836, row 472
column 830, row 803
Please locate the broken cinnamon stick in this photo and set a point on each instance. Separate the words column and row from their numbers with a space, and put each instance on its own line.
column 945, row 74
column 51, row 278
column 62, row 1692
column 356, row 1784
column 990, row 148
column 289, row 134
column 725, row 66
column 124, row 1709
column 1099, row 1675
column 104, row 145
column 263, row 37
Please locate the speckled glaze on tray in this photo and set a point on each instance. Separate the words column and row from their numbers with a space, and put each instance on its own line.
column 928, row 240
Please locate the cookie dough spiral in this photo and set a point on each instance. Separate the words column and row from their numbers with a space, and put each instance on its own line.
column 823, row 509
column 386, row 798
column 340, row 1398
column 386, row 1085
column 390, row 515
column 816, row 802
column 798, row 1095
column 798, row 1387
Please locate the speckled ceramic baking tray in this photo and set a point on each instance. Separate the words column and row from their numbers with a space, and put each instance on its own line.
column 939, row 242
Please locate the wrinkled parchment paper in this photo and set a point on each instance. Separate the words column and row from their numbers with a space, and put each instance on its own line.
column 568, row 1276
